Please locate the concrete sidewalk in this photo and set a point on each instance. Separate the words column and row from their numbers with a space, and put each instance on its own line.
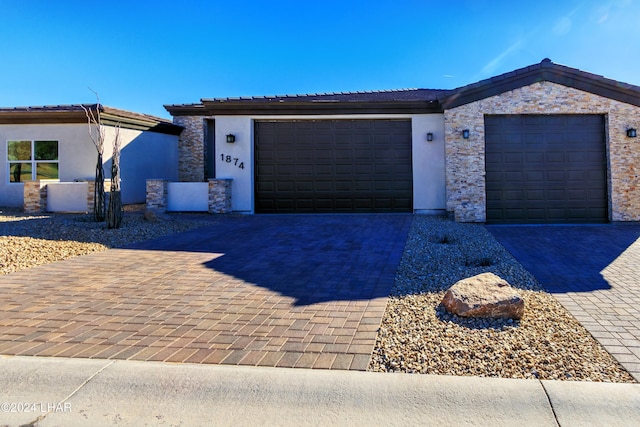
column 43, row 392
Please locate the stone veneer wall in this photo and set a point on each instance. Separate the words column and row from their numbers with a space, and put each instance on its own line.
column 465, row 164
column 156, row 198
column 35, row 197
column 220, row 195
column 191, row 148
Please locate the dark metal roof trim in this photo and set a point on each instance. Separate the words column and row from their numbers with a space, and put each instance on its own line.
column 407, row 101
column 65, row 114
column 545, row 71
column 413, row 101
column 314, row 108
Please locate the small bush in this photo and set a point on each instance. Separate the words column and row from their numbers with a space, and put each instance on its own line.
column 443, row 239
column 479, row 262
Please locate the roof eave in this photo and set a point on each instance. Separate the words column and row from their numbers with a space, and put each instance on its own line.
column 76, row 115
column 262, row 108
column 545, row 71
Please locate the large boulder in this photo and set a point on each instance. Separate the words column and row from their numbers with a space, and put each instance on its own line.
column 484, row 295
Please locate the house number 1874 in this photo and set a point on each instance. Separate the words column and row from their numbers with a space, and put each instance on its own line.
column 228, row 159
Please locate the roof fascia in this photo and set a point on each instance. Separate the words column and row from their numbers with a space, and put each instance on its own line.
column 543, row 72
column 79, row 117
column 228, row 108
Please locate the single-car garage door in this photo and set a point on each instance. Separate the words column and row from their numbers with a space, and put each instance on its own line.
column 333, row 166
column 546, row 169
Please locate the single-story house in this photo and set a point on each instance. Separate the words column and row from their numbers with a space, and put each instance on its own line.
column 544, row 143
column 53, row 143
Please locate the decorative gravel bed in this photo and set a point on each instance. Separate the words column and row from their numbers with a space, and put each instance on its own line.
column 30, row 240
column 418, row 335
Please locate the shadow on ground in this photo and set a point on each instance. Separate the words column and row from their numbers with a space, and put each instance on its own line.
column 312, row 258
column 568, row 258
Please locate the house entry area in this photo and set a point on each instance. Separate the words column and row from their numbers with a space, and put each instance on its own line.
column 322, row 166
column 546, row 169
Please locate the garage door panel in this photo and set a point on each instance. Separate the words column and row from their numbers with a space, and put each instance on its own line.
column 533, row 157
column 562, row 176
column 537, row 175
column 334, row 165
column 322, row 186
column 533, row 195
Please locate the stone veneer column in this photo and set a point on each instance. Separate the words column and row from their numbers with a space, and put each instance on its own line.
column 156, row 195
column 35, row 197
column 191, row 148
column 220, row 195
column 465, row 164
column 91, row 191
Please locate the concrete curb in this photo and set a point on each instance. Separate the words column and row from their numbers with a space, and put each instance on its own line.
column 80, row 392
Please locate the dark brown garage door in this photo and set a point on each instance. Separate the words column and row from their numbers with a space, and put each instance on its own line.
column 546, row 169
column 333, row 166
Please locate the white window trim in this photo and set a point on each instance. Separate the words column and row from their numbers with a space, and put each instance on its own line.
column 33, row 162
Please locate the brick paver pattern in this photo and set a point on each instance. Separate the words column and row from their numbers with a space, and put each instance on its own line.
column 285, row 291
column 594, row 271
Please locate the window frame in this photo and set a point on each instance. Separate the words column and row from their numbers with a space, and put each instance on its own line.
column 32, row 162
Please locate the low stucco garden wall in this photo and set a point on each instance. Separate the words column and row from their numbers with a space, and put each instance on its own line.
column 213, row 196
column 55, row 196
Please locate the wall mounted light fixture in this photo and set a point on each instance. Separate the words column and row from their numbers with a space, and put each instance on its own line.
column 632, row 133
column 465, row 134
column 430, row 136
column 231, row 138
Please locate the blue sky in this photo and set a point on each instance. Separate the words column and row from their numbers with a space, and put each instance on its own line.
column 139, row 55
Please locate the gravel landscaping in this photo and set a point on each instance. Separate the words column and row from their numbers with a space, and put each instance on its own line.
column 417, row 334
column 30, row 240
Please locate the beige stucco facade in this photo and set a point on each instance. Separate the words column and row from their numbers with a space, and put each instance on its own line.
column 465, row 158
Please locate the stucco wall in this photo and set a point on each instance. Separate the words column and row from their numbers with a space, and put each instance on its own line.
column 465, row 165
column 427, row 156
column 77, row 155
column 144, row 155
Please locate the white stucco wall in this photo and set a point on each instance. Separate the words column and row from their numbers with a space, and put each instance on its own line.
column 428, row 163
column 240, row 170
column 143, row 155
column 76, row 153
column 428, row 157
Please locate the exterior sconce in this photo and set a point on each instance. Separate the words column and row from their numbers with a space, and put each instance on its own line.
column 231, row 138
column 430, row 136
column 465, row 134
column 632, row 133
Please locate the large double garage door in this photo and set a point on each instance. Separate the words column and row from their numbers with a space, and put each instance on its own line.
column 546, row 169
column 333, row 166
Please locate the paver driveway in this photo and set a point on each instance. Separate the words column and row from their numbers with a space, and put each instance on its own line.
column 594, row 271
column 290, row 291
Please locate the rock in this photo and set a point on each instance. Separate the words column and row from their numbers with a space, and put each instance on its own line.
column 484, row 295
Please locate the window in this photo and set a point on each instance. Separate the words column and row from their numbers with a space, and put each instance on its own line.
column 32, row 160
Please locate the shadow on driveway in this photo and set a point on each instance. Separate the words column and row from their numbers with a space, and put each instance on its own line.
column 569, row 258
column 311, row 258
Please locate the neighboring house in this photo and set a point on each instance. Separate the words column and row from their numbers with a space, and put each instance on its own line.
column 53, row 143
column 545, row 143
